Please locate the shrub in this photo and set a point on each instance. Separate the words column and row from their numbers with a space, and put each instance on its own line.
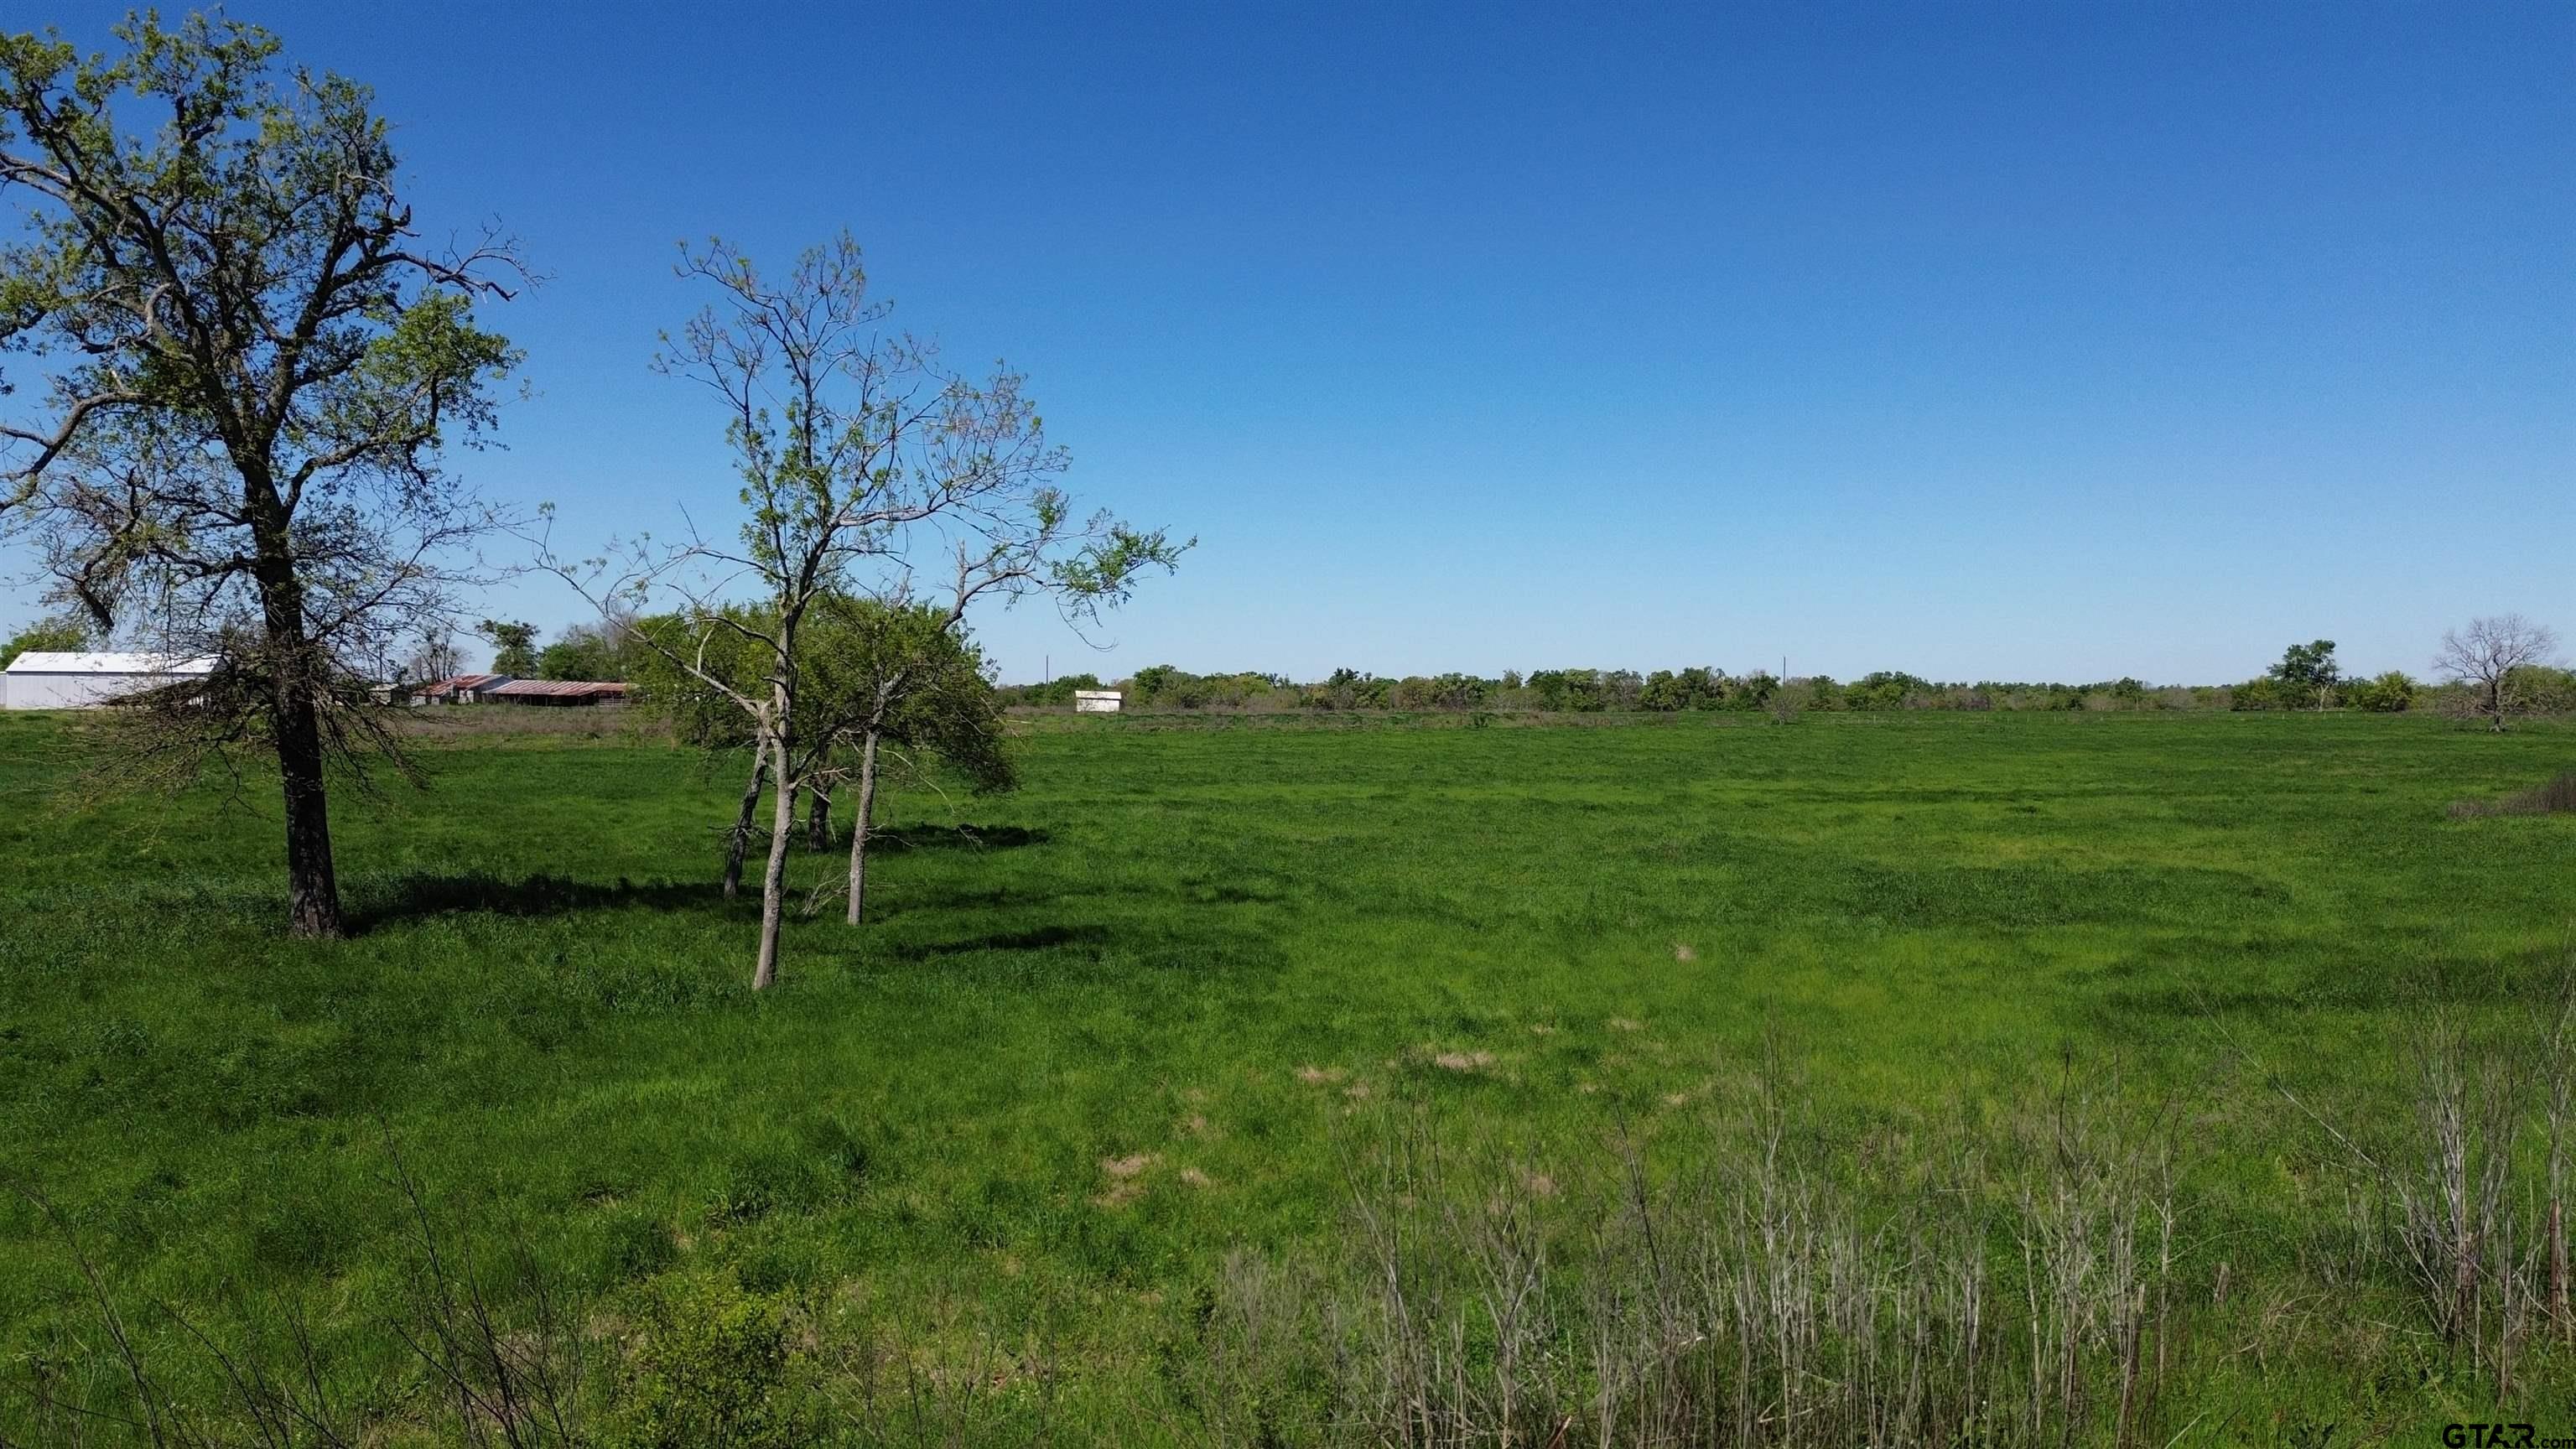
column 1349, row 689
column 1056, row 691
column 1446, row 691
column 708, row 1363
column 1580, row 690
column 2260, row 694
column 2540, row 689
column 1753, row 691
column 1697, row 687
column 2389, row 693
column 1884, row 689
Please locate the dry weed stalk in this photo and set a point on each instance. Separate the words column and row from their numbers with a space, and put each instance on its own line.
column 1771, row 1295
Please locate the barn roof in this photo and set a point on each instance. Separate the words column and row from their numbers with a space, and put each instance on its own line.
column 106, row 662
column 561, row 688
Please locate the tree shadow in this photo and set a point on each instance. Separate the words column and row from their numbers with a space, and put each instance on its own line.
column 1041, row 939
column 385, row 901
column 954, row 837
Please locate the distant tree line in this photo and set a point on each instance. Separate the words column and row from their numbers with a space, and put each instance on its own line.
column 603, row 651
column 2491, row 671
column 2494, row 670
column 1596, row 691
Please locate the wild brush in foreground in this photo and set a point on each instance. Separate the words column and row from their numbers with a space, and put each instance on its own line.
column 1781, row 1290
column 2038, row 1283
column 2038, row 1272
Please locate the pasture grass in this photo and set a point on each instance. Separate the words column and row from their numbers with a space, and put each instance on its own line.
column 1103, row 1037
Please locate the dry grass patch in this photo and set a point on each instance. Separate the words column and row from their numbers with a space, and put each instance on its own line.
column 2558, row 797
column 1126, row 1178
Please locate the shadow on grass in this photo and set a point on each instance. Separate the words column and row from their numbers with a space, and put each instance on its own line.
column 2299, row 976
column 953, row 837
column 1041, row 939
column 385, row 901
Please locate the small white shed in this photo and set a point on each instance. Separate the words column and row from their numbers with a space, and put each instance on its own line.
column 36, row 680
column 1096, row 701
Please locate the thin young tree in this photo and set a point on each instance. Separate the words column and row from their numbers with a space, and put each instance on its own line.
column 855, row 449
column 2486, row 656
column 251, row 368
column 904, row 684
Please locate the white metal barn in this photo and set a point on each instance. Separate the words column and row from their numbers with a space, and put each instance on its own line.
column 79, row 681
column 1096, row 701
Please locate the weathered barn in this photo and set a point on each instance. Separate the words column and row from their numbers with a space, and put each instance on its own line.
column 460, row 689
column 1097, row 701
column 38, row 680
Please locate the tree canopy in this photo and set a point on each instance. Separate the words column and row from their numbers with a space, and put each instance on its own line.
column 250, row 374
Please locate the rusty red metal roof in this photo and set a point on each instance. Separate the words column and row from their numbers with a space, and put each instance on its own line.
column 558, row 689
column 455, row 682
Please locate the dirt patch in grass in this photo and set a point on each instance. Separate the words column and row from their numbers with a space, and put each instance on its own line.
column 1126, row 1178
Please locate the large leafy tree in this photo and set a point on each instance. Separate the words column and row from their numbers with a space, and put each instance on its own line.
column 514, row 645
column 244, row 370
column 2308, row 672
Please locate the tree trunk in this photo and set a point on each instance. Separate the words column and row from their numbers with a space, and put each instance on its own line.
column 740, row 844
column 295, row 717
column 818, row 819
column 773, row 881
column 312, row 886
column 864, row 812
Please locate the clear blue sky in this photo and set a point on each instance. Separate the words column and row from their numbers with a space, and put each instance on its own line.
column 2045, row 341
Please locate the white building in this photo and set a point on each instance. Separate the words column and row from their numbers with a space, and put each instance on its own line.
column 1096, row 701
column 79, row 681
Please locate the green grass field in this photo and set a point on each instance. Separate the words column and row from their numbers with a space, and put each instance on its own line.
column 1152, row 1009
